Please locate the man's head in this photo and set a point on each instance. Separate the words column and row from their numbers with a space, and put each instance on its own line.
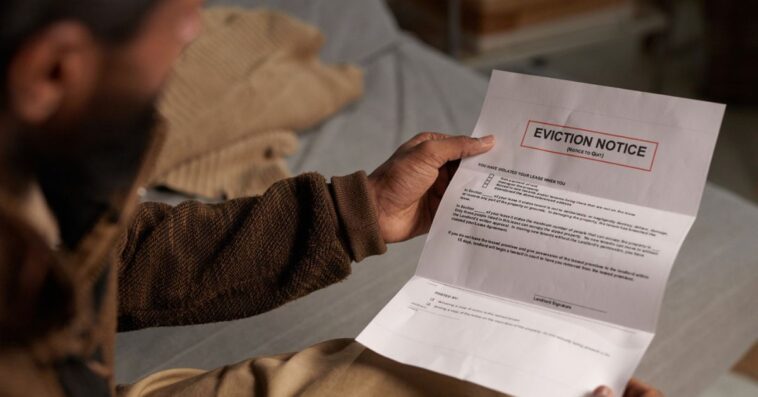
column 79, row 83
column 78, row 79
column 56, row 55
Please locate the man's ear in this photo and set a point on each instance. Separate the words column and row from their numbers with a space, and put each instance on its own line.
column 55, row 71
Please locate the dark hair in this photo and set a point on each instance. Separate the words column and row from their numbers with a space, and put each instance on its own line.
column 111, row 21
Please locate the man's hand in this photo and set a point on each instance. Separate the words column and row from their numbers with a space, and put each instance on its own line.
column 408, row 187
column 635, row 388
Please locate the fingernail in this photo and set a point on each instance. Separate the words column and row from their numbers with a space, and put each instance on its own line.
column 487, row 140
column 602, row 391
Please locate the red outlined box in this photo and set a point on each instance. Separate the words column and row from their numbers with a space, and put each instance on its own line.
column 655, row 151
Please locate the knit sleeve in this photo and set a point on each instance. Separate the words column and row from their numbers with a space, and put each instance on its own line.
column 197, row 263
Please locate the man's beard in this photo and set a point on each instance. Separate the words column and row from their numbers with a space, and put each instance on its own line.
column 85, row 168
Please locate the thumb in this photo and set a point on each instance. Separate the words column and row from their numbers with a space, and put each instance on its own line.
column 602, row 391
column 440, row 151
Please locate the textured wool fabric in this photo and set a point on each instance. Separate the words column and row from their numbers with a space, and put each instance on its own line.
column 251, row 72
column 339, row 367
column 354, row 217
column 197, row 263
column 245, row 168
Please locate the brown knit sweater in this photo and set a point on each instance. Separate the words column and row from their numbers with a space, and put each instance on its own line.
column 164, row 265
column 197, row 263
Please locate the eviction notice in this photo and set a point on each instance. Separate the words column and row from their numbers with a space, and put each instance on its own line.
column 547, row 261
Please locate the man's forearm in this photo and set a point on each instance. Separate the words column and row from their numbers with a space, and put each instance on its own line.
column 198, row 263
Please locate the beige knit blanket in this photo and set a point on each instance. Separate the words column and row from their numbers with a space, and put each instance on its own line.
column 236, row 96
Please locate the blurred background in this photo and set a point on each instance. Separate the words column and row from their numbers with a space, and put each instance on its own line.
column 704, row 49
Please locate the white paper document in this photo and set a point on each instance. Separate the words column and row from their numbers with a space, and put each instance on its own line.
column 547, row 261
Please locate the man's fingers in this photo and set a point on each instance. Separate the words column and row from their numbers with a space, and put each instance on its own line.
column 635, row 388
column 602, row 391
column 423, row 137
column 439, row 151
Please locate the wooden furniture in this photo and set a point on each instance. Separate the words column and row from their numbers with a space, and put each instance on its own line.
column 486, row 33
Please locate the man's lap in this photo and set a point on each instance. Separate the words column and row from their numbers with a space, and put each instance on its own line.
column 333, row 368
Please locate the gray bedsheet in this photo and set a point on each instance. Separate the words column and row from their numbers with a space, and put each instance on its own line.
column 708, row 318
